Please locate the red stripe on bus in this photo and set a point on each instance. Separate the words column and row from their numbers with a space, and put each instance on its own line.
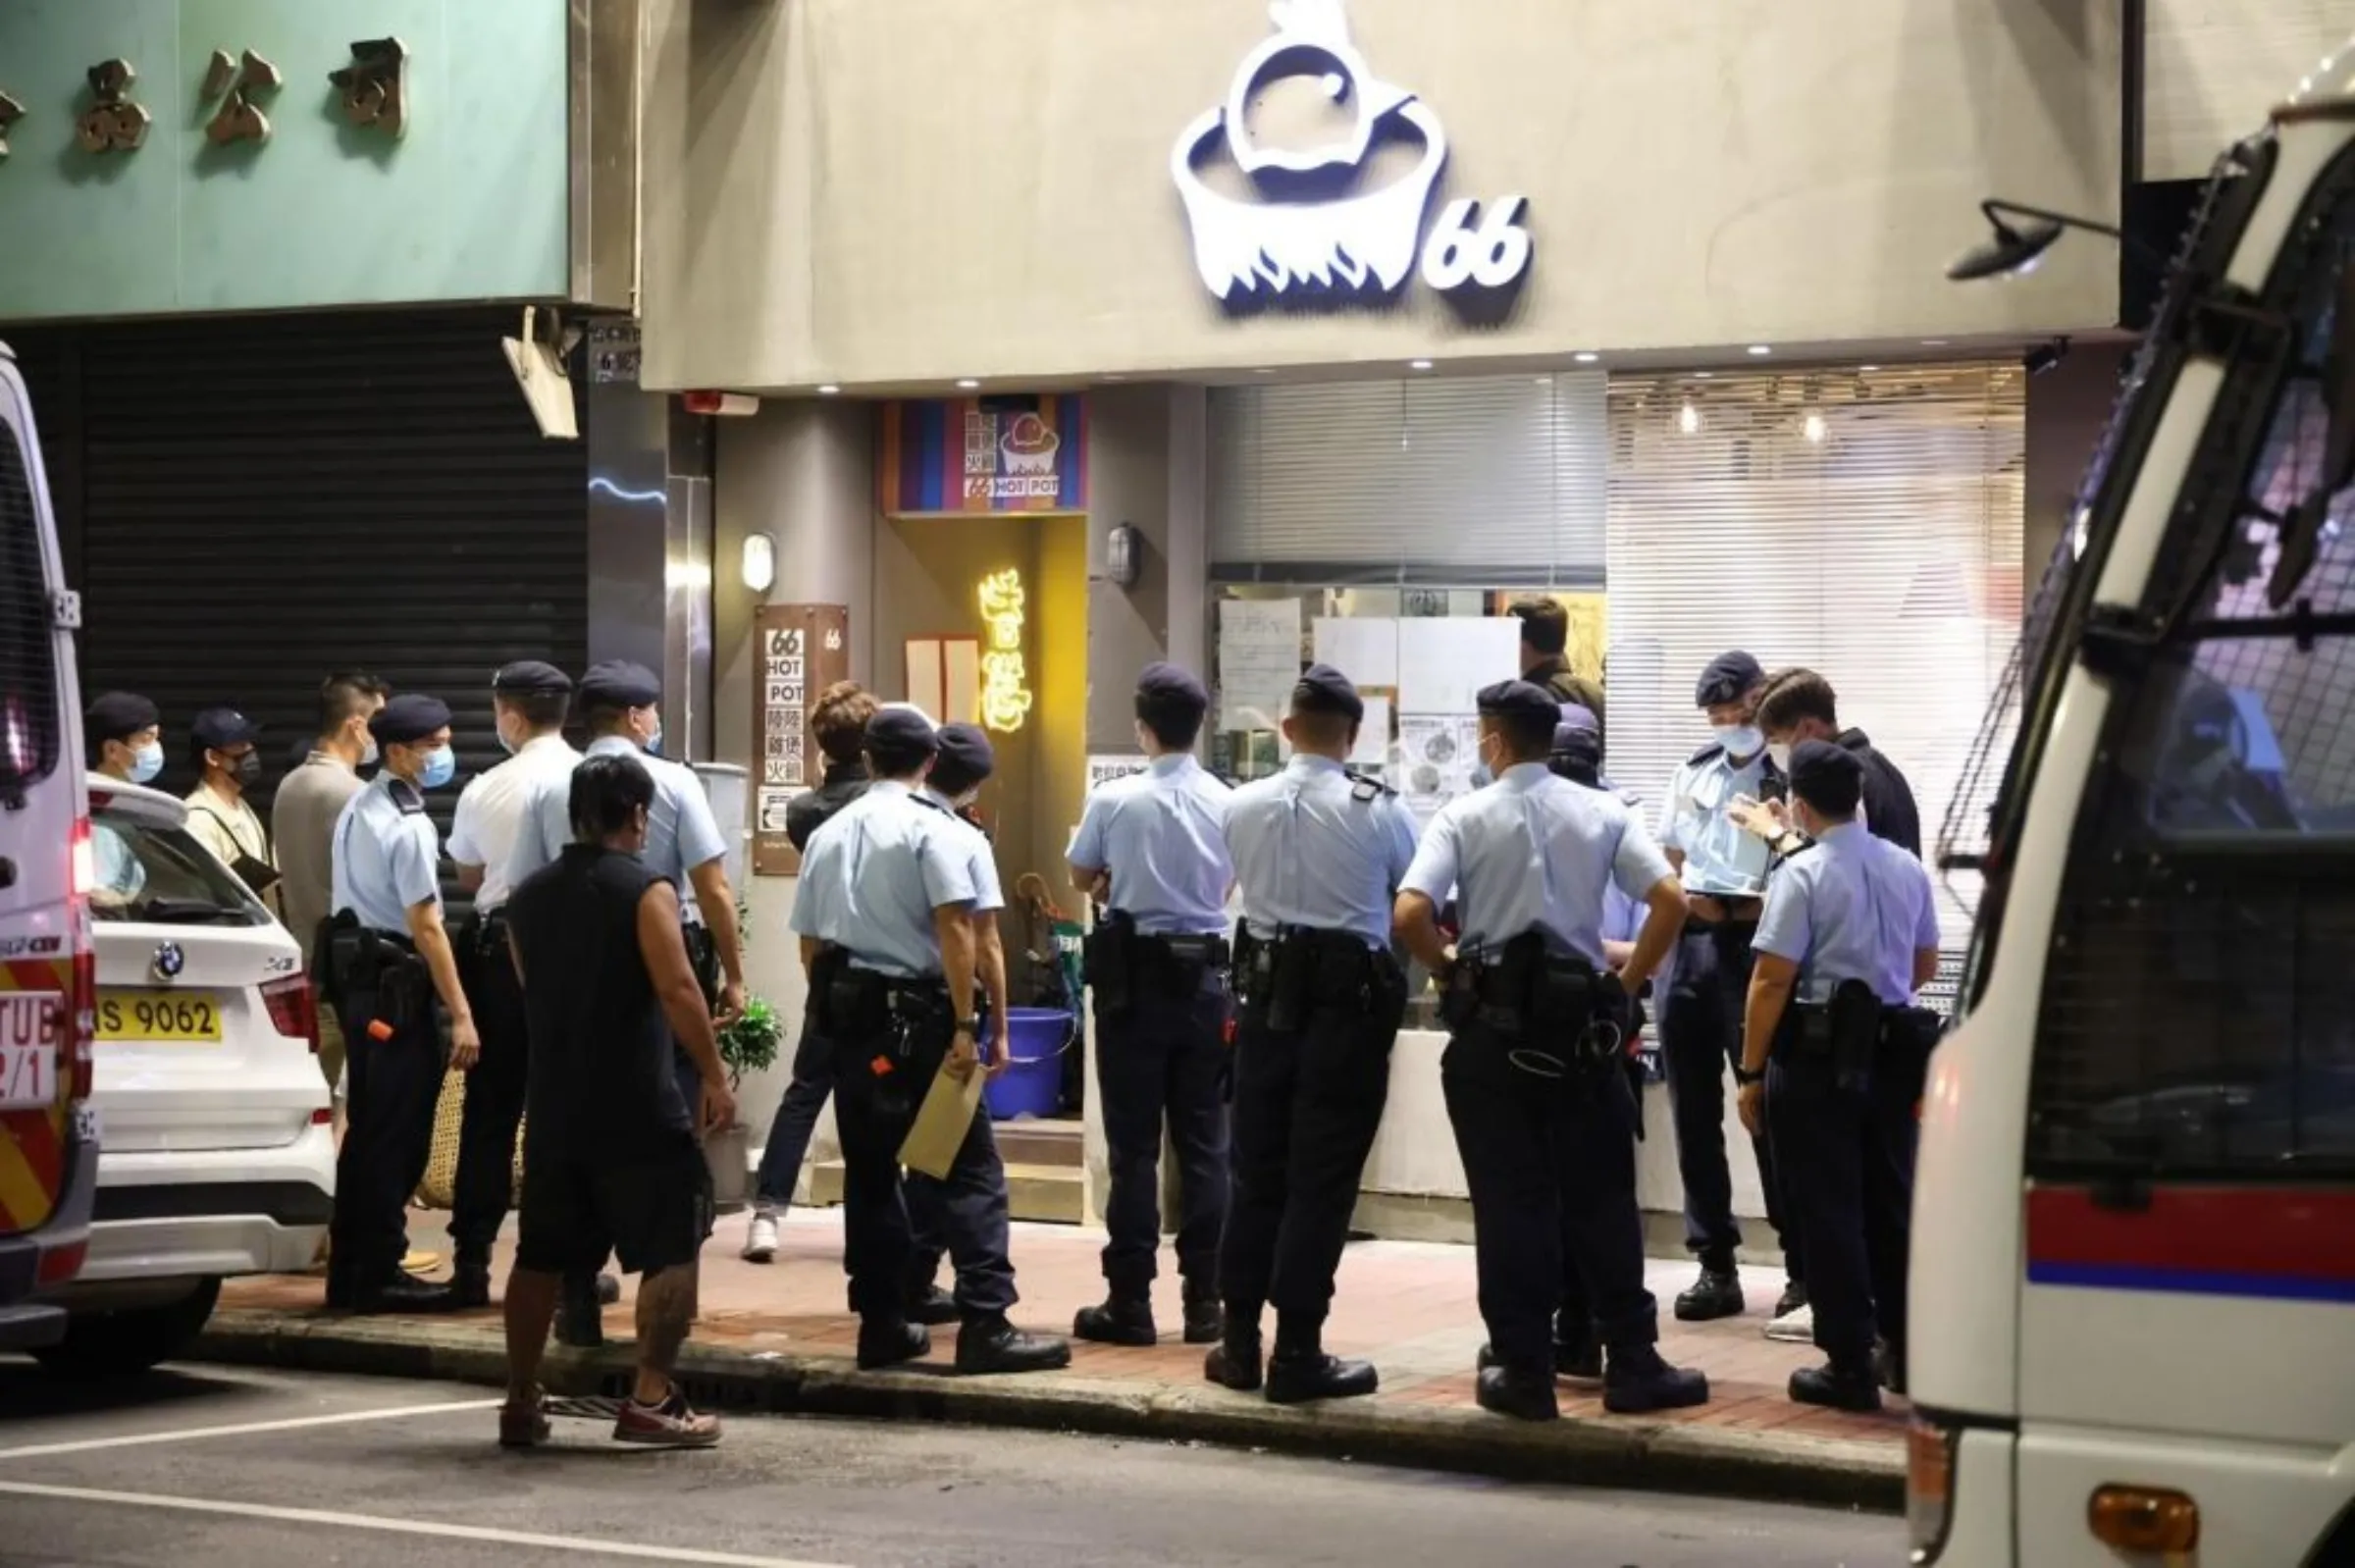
column 2284, row 1231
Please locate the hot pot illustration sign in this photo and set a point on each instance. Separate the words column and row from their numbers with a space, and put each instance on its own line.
column 1307, row 231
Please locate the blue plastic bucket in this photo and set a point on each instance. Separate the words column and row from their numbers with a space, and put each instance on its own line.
column 1034, row 1085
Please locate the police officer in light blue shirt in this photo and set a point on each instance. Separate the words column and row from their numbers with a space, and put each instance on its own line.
column 1833, row 1060
column 1545, row 1119
column 885, row 912
column 1723, row 867
column 1152, row 852
column 1319, row 853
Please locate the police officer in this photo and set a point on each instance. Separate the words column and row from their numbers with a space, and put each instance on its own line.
column 885, row 914
column 1833, row 1062
column 1318, row 855
column 1544, row 1117
column 386, row 959
column 528, row 700
column 124, row 733
column 1799, row 705
column 1723, row 867
column 1152, row 852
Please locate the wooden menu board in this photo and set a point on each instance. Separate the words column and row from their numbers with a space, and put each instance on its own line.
column 803, row 649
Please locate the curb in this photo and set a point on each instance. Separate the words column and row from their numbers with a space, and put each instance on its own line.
column 1634, row 1454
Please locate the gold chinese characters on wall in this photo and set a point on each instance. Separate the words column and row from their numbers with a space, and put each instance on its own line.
column 11, row 112
column 375, row 85
column 234, row 83
column 373, row 91
column 111, row 122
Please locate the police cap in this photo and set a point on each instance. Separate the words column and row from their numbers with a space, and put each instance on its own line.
column 118, row 715
column 1326, row 690
column 966, row 759
column 1520, row 702
column 1169, row 688
column 1828, row 777
column 618, row 683
column 216, row 728
column 1575, row 719
column 1728, row 679
column 901, row 731
column 531, row 677
column 408, row 718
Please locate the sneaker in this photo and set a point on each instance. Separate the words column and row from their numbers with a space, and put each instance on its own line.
column 760, row 1239
column 1717, row 1294
column 672, row 1424
column 1795, row 1326
column 524, row 1425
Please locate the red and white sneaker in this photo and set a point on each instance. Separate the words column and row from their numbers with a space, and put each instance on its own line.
column 672, row 1424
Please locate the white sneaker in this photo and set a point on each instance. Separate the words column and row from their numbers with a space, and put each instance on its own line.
column 760, row 1239
column 1795, row 1326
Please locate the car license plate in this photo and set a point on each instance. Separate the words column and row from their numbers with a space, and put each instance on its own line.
column 177, row 1017
column 29, row 1049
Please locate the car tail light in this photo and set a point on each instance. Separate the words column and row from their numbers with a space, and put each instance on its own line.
column 322, row 1116
column 60, row 1265
column 82, row 1008
column 292, row 1011
column 1929, row 1486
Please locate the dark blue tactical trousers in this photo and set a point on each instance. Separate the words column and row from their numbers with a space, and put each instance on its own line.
column 967, row 1217
column 1847, row 1164
column 396, row 1083
column 1165, row 1060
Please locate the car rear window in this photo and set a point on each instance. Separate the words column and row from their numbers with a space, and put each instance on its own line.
column 30, row 722
column 161, row 876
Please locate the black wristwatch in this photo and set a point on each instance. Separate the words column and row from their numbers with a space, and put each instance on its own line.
column 1743, row 1077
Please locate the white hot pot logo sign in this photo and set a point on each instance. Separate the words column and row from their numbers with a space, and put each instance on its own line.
column 1308, row 232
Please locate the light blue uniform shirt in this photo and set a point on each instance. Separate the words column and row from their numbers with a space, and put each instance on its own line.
column 1162, row 835
column 982, row 858
column 681, row 832
column 1308, row 853
column 384, row 861
column 1720, row 858
column 1622, row 915
column 873, row 875
column 1853, row 908
column 1534, row 851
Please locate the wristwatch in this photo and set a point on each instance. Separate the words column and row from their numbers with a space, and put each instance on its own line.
column 972, row 1025
column 1744, row 1077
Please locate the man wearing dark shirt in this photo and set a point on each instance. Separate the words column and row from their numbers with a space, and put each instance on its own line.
column 1798, row 706
column 610, row 1154
column 1545, row 661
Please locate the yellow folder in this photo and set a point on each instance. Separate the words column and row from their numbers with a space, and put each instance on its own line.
column 941, row 1122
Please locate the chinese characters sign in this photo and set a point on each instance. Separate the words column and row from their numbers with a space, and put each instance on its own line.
column 803, row 649
column 983, row 454
column 1004, row 682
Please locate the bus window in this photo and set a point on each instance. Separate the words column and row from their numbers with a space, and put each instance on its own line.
column 30, row 723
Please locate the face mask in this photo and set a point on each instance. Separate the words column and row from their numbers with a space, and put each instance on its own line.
column 504, row 745
column 440, row 766
column 1780, row 752
column 1741, row 740
column 146, row 761
column 248, row 768
column 653, row 742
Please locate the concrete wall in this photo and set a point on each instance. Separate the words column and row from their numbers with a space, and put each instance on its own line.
column 894, row 192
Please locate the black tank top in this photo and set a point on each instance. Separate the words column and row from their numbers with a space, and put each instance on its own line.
column 600, row 1078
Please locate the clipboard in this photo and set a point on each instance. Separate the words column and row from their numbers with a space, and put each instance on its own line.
column 941, row 1122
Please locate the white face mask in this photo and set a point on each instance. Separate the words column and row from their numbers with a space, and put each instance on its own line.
column 1741, row 740
column 1780, row 752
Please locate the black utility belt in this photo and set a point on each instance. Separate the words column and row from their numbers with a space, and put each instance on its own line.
column 1289, row 976
column 1855, row 1030
column 1126, row 965
column 1189, row 951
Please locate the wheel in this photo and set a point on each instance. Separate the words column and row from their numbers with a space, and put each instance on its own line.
column 125, row 1343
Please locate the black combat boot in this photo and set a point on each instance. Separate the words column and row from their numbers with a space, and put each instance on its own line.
column 930, row 1304
column 889, row 1342
column 1124, row 1319
column 1204, row 1323
column 470, row 1285
column 1235, row 1362
column 580, row 1320
column 1636, row 1381
column 1300, row 1370
column 400, row 1293
column 1717, row 1294
column 1839, row 1385
column 1577, row 1353
column 1526, row 1394
column 988, row 1344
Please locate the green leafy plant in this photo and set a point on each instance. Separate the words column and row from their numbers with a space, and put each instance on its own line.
column 749, row 1044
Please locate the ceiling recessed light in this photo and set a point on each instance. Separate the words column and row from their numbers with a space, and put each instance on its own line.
column 1418, row 364
column 968, row 384
column 1703, row 375
column 1688, row 420
column 1933, row 342
column 1759, row 350
column 1869, row 369
column 1814, row 428
column 1586, row 357
column 829, row 389
column 1263, row 371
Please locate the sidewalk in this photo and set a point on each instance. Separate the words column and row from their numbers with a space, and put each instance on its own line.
column 778, row 1338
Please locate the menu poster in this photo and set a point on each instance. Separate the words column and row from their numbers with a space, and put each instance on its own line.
column 1443, row 664
column 1259, row 662
column 803, row 649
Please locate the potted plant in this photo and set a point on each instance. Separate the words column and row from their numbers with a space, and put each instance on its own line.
column 749, row 1044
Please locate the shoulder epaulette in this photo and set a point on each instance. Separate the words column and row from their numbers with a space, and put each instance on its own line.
column 405, row 796
column 1715, row 748
column 929, row 803
column 1365, row 786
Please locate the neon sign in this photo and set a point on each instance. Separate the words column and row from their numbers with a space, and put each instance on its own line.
column 1004, row 682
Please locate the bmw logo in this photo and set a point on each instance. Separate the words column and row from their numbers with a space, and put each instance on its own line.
column 169, row 960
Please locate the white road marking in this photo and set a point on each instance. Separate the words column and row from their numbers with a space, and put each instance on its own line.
column 190, row 1433
column 583, row 1544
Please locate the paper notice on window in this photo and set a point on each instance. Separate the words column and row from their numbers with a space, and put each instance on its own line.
column 1363, row 647
column 1443, row 662
column 1437, row 756
column 1373, row 748
column 1259, row 662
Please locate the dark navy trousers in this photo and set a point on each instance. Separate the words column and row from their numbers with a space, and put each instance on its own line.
column 1847, row 1164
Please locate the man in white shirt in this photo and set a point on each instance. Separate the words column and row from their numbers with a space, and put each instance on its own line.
column 530, row 701
column 221, row 745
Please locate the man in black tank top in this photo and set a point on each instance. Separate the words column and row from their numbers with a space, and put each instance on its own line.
column 611, row 1159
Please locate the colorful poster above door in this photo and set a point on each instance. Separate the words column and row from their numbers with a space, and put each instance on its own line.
column 983, row 454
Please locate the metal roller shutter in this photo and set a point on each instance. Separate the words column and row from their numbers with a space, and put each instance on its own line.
column 268, row 499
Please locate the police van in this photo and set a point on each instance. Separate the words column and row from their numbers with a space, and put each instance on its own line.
column 2133, row 1278
column 48, row 1142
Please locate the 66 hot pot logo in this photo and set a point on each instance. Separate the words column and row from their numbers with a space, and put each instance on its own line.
column 1309, row 231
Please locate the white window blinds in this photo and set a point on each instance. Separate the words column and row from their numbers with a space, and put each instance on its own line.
column 1495, row 480
column 1865, row 525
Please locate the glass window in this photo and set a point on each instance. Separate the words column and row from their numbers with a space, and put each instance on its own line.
column 161, row 876
column 30, row 722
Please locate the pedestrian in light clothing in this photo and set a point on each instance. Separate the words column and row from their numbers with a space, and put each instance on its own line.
column 528, row 700
column 614, row 1159
column 1532, row 1073
column 302, row 820
column 1152, row 852
column 839, row 724
column 221, row 744
column 1834, row 1054
column 1319, row 853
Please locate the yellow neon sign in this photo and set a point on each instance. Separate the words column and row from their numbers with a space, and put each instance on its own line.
column 1004, row 682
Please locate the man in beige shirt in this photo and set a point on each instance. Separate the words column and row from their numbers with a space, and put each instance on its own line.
column 303, row 820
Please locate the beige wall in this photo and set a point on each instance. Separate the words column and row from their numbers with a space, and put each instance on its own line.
column 884, row 192
column 2213, row 68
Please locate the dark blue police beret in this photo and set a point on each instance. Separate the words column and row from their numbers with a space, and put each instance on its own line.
column 216, row 727
column 1728, row 679
column 118, row 715
column 1519, row 700
column 1827, row 776
column 1326, row 690
column 901, row 731
column 618, row 683
column 408, row 718
column 529, row 677
column 1167, row 684
column 965, row 756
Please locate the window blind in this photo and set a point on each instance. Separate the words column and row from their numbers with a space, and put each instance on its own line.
column 1865, row 525
column 1494, row 480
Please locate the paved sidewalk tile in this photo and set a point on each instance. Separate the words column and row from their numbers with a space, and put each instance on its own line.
column 1410, row 1307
